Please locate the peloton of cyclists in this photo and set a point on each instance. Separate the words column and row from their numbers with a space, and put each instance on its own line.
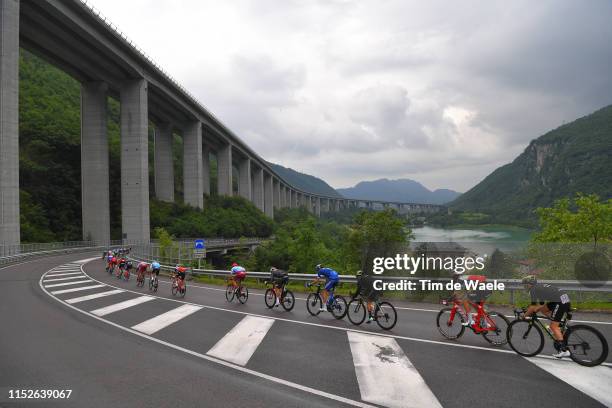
column 331, row 281
column 551, row 302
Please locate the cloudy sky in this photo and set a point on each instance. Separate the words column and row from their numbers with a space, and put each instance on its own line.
column 442, row 92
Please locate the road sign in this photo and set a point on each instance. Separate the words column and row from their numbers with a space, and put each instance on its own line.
column 199, row 244
column 199, row 248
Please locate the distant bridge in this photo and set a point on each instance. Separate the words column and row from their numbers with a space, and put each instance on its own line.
column 78, row 40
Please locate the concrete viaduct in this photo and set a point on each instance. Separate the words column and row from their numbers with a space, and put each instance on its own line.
column 75, row 38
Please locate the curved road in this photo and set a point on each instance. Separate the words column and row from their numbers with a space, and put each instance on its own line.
column 115, row 345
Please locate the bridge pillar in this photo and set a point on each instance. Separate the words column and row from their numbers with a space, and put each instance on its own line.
column 134, row 161
column 9, row 127
column 95, row 200
column 258, row 188
column 244, row 185
column 291, row 199
column 206, row 169
column 164, row 163
column 192, row 164
column 318, row 211
column 277, row 196
column 224, row 171
column 268, row 196
column 282, row 198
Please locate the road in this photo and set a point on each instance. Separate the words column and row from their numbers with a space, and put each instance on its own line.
column 116, row 345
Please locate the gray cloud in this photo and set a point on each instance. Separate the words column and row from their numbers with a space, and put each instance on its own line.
column 442, row 92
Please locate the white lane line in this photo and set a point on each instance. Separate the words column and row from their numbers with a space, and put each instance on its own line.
column 71, row 268
column 346, row 329
column 59, row 292
column 68, row 283
column 94, row 296
column 157, row 323
column 386, row 376
column 64, row 279
column 238, row 368
column 593, row 381
column 53, row 275
column 239, row 344
column 103, row 311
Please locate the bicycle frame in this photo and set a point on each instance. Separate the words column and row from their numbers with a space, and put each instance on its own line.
column 480, row 315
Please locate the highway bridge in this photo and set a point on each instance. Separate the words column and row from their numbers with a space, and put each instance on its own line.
column 77, row 39
column 67, row 324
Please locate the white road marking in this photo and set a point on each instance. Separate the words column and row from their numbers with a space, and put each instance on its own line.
column 53, row 275
column 64, row 279
column 59, row 292
column 94, row 296
column 157, row 323
column 395, row 336
column 593, row 381
column 239, row 344
column 103, row 311
column 254, row 373
column 386, row 376
column 68, row 283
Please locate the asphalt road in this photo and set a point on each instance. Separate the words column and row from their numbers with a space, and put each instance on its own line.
column 114, row 345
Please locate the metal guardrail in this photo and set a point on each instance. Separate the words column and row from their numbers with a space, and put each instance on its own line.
column 11, row 259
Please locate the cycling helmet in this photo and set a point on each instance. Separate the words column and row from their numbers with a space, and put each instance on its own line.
column 273, row 269
column 234, row 264
column 529, row 280
column 319, row 266
column 359, row 273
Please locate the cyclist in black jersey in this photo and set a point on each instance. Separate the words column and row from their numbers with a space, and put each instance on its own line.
column 552, row 302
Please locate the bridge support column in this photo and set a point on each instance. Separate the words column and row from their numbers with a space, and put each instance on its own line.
column 164, row 167
column 224, row 171
column 318, row 208
column 291, row 199
column 258, row 188
column 9, row 127
column 277, row 194
column 205, row 169
column 244, row 185
column 95, row 200
column 268, row 196
column 134, row 161
column 192, row 164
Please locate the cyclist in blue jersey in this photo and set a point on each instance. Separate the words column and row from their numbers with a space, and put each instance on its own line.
column 331, row 281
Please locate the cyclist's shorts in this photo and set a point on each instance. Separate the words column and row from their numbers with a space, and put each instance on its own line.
column 156, row 272
column 372, row 295
column 181, row 275
column 331, row 284
column 240, row 275
column 558, row 310
column 280, row 280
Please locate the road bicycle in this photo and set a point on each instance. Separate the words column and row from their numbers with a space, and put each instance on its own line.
column 153, row 282
column 235, row 290
column 140, row 279
column 287, row 300
column 110, row 268
column 587, row 346
column 314, row 302
column 490, row 325
column 383, row 312
column 179, row 286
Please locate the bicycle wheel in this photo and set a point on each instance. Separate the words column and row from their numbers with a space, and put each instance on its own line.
column 270, row 298
column 183, row 291
column 525, row 337
column 356, row 311
column 450, row 323
column 174, row 289
column 288, row 301
column 385, row 315
column 339, row 307
column 314, row 304
column 155, row 285
column 588, row 347
column 499, row 323
column 243, row 294
column 150, row 284
column 230, row 292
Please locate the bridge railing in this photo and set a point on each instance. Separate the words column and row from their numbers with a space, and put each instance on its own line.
column 16, row 253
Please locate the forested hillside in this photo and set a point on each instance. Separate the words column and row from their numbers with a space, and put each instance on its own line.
column 401, row 190
column 572, row 158
column 305, row 182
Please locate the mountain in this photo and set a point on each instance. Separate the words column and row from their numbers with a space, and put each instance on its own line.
column 402, row 190
column 304, row 182
column 572, row 158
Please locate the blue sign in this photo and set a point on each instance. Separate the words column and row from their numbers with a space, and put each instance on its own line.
column 199, row 244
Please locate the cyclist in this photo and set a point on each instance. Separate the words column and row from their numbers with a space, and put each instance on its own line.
column 551, row 302
column 122, row 262
column 331, row 281
column 128, row 268
column 179, row 272
column 141, row 269
column 365, row 288
column 238, row 274
column 279, row 279
column 465, row 296
column 155, row 268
